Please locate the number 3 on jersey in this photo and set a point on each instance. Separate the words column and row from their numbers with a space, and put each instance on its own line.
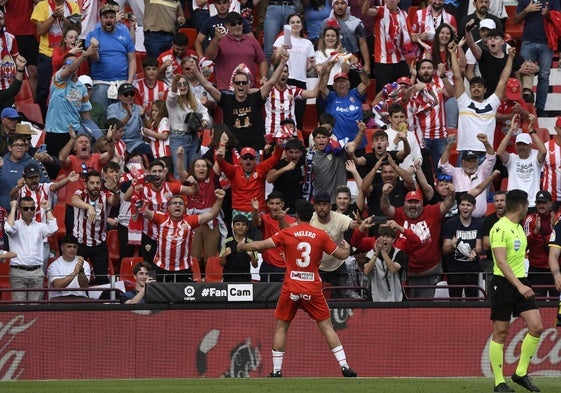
column 305, row 249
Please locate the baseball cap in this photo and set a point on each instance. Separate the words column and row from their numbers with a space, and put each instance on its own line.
column 488, row 24
column 558, row 122
column 240, row 218
column 24, row 129
column 405, row 80
column 10, row 113
column 248, row 151
column 413, row 196
column 341, row 75
column 543, row 196
column 469, row 155
column 233, row 17
column 513, row 90
column 322, row 197
column 86, row 80
column 125, row 87
column 108, row 7
column 31, row 170
column 524, row 138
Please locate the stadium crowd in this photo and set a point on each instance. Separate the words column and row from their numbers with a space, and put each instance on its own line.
column 186, row 145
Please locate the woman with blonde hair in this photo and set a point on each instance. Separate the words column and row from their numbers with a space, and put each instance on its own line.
column 187, row 116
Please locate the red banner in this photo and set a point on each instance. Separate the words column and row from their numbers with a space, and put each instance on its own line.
column 237, row 343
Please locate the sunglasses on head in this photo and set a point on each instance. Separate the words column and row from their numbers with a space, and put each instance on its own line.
column 240, row 83
column 447, row 178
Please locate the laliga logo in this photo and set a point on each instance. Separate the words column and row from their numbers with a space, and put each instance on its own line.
column 548, row 354
column 189, row 291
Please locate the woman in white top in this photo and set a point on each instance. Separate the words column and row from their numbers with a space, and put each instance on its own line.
column 181, row 102
column 329, row 42
column 301, row 60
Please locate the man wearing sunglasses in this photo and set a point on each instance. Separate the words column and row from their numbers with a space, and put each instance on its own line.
column 26, row 237
column 232, row 47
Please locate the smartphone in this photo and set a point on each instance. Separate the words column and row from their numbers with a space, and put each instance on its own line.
column 42, row 148
column 150, row 178
column 379, row 219
column 152, row 274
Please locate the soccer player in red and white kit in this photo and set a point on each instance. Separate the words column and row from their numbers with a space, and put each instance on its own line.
column 303, row 247
column 175, row 237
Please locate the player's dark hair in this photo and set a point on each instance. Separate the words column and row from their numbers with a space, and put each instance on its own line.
column 515, row 199
column 304, row 210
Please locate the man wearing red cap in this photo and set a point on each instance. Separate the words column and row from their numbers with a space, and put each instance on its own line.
column 424, row 262
column 247, row 178
column 551, row 165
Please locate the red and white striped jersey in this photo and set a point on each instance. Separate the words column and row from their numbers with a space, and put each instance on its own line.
column 280, row 106
column 174, row 241
column 552, row 170
column 147, row 95
column 43, row 193
column 391, row 32
column 425, row 22
column 427, row 111
column 120, row 152
column 8, row 54
column 91, row 233
column 160, row 147
column 158, row 202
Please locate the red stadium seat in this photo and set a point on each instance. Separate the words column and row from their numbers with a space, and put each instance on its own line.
column 25, row 94
column 191, row 33
column 32, row 111
column 5, row 279
column 127, row 264
column 113, row 249
column 213, row 271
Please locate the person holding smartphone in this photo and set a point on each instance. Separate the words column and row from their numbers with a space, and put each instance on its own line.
column 143, row 275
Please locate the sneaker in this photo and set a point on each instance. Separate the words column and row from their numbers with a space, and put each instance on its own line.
column 348, row 372
column 525, row 382
column 275, row 374
column 503, row 387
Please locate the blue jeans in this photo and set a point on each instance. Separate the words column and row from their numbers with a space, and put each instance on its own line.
column 543, row 54
column 99, row 94
column 275, row 19
column 155, row 43
column 452, row 112
column 44, row 75
column 435, row 147
column 191, row 146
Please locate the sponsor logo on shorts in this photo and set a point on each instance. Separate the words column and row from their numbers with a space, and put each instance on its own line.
column 302, row 276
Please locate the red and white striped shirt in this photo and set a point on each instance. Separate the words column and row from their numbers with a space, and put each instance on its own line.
column 280, row 106
column 91, row 233
column 391, row 32
column 8, row 54
column 147, row 95
column 552, row 170
column 425, row 22
column 42, row 193
column 158, row 202
column 160, row 147
column 120, row 152
column 174, row 241
column 427, row 110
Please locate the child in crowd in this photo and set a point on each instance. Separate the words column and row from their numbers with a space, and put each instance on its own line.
column 237, row 264
column 157, row 134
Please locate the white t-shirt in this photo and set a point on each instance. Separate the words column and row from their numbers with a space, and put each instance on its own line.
column 474, row 118
column 336, row 228
column 413, row 144
column 524, row 175
column 322, row 58
column 302, row 49
column 60, row 269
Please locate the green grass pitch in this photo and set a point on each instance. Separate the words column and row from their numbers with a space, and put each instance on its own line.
column 266, row 385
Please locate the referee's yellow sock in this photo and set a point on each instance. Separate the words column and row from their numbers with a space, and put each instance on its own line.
column 496, row 359
column 527, row 350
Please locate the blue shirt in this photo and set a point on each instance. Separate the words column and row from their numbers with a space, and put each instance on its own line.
column 347, row 112
column 11, row 172
column 131, row 135
column 534, row 30
column 67, row 100
column 113, row 53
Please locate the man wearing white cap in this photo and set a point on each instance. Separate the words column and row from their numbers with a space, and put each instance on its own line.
column 472, row 67
column 480, row 12
column 524, row 168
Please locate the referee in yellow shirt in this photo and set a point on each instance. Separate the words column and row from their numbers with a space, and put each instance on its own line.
column 512, row 294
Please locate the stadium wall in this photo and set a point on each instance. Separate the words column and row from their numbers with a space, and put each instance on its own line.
column 424, row 342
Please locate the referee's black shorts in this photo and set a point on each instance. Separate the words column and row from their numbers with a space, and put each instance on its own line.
column 506, row 301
